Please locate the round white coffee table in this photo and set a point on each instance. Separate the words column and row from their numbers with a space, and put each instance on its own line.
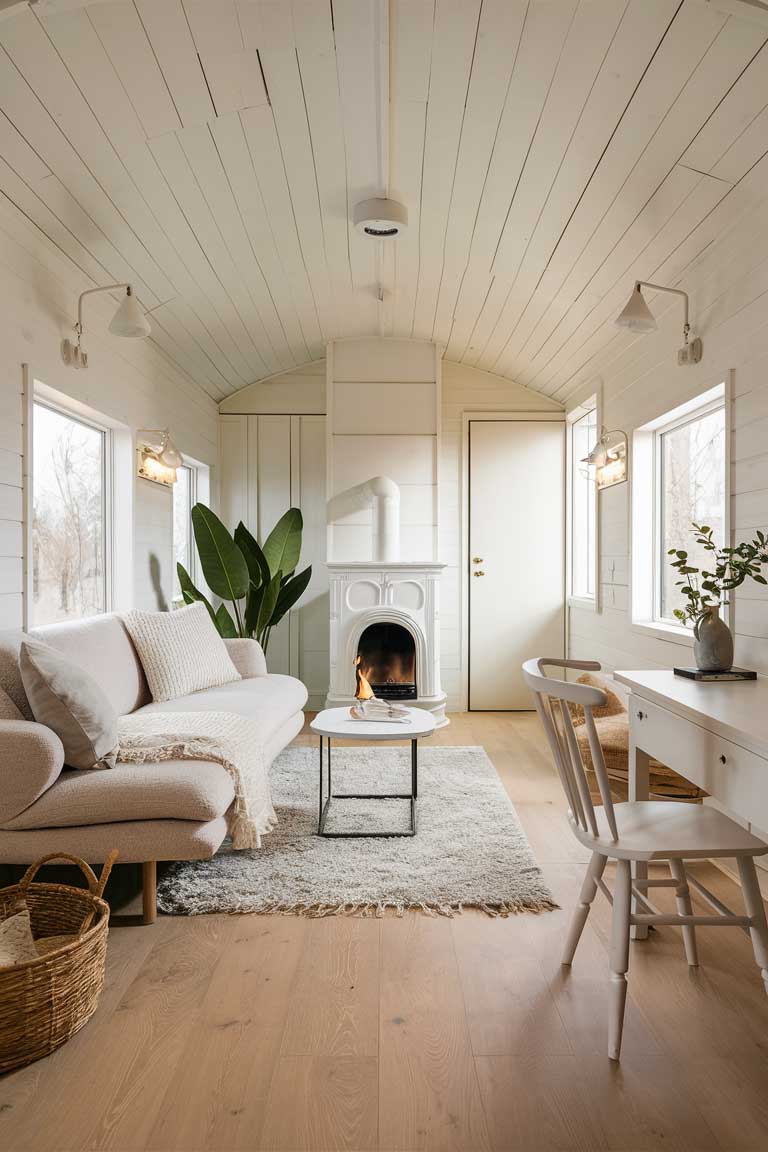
column 337, row 724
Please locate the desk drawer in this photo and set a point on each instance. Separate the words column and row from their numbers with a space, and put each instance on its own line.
column 733, row 775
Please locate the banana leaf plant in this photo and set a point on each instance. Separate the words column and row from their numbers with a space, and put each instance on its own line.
column 260, row 583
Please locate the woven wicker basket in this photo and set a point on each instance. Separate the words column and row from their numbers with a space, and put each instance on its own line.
column 47, row 1000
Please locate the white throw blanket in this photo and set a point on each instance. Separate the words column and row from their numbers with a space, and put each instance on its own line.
column 223, row 737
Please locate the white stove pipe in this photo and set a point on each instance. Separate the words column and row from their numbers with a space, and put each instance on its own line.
column 383, row 494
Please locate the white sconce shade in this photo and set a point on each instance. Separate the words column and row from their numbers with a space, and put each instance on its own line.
column 609, row 459
column 636, row 315
column 129, row 320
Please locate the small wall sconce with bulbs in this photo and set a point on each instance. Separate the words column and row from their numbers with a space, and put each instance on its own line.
column 637, row 316
column 157, row 456
column 129, row 321
column 609, row 458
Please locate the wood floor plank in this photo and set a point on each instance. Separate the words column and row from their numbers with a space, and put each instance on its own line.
column 322, row 1102
column 334, row 1009
column 428, row 1091
column 219, row 1101
column 508, row 1002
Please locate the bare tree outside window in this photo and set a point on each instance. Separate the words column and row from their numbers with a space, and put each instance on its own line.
column 692, row 488
column 68, row 518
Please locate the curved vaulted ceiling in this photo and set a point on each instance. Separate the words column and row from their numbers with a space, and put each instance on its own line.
column 548, row 152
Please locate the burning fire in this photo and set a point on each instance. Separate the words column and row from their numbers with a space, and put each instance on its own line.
column 363, row 690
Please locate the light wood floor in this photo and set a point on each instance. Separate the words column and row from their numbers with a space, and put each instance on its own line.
column 239, row 1033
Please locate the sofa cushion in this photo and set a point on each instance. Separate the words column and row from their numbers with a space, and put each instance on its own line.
column 181, row 651
column 135, row 841
column 10, row 673
column 67, row 699
column 101, row 645
column 8, row 710
column 171, row 790
column 31, row 758
column 270, row 700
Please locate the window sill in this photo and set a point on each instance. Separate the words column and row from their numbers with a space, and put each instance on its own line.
column 587, row 602
column 672, row 633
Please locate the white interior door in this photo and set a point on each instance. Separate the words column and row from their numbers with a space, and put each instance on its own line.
column 516, row 555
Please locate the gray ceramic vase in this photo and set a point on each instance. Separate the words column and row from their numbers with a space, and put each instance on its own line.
column 713, row 644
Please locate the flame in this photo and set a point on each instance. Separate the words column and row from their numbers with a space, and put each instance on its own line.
column 363, row 690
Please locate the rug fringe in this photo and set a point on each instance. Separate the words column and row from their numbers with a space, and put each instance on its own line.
column 380, row 909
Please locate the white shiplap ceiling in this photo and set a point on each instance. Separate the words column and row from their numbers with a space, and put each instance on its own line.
column 549, row 152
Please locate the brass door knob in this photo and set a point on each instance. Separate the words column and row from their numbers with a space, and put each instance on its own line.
column 477, row 559
column 479, row 573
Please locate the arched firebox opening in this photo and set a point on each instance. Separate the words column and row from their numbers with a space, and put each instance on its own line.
column 387, row 655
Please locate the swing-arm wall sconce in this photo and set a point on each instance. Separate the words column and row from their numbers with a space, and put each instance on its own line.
column 128, row 321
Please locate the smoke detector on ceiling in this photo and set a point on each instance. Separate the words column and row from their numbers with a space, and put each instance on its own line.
column 380, row 218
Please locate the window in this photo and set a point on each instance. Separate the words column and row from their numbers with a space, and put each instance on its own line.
column 582, row 504
column 678, row 477
column 184, row 497
column 70, row 537
column 690, row 459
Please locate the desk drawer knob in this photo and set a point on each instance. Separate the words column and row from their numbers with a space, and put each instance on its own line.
column 641, row 715
column 723, row 759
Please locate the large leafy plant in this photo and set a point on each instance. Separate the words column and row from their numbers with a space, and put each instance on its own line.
column 703, row 589
column 260, row 583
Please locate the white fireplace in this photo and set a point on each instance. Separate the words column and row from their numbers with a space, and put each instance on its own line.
column 403, row 597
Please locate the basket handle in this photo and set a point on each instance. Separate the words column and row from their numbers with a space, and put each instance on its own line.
column 95, row 887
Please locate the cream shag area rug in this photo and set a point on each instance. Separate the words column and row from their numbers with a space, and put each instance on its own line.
column 469, row 849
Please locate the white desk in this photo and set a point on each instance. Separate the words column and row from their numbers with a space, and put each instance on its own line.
column 713, row 734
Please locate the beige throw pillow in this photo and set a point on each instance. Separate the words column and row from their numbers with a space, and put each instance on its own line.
column 247, row 656
column 16, row 943
column 68, row 700
column 181, row 651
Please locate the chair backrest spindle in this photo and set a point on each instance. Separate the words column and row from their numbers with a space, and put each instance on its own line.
column 548, row 693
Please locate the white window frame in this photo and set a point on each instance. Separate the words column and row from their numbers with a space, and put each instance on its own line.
column 646, row 496
column 118, row 491
column 589, row 404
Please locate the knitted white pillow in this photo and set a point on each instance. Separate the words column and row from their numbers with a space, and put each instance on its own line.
column 181, row 652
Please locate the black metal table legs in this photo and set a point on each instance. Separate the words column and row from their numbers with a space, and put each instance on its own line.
column 325, row 801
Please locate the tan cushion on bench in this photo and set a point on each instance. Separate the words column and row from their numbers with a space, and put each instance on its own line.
column 196, row 790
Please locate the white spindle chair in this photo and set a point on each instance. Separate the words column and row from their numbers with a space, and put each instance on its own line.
column 638, row 830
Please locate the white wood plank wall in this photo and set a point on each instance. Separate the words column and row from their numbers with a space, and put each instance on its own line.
column 132, row 382
column 270, row 462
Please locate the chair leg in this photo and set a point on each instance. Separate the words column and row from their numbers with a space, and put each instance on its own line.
column 685, row 908
column 595, row 870
column 619, row 960
column 753, row 899
column 149, row 891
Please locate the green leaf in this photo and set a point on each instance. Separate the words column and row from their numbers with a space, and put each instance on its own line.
column 252, row 606
column 760, row 579
column 225, row 623
column 268, row 602
column 224, row 567
column 190, row 593
column 290, row 592
column 282, row 547
column 258, row 569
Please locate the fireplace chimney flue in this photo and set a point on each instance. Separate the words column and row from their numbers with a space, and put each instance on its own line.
column 383, row 495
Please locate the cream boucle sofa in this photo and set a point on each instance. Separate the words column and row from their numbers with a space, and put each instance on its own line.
column 176, row 810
